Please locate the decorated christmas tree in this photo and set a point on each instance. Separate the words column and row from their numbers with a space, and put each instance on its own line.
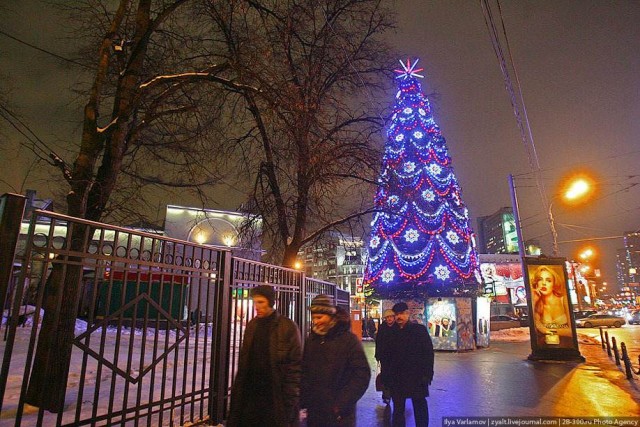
column 421, row 243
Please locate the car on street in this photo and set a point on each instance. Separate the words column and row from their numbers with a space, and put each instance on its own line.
column 634, row 317
column 596, row 320
column 524, row 320
column 581, row 314
column 503, row 321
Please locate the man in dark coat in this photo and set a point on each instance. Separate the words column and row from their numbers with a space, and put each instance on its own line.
column 383, row 348
column 266, row 389
column 335, row 371
column 410, row 368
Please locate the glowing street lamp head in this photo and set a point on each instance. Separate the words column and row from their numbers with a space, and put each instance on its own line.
column 578, row 188
column 587, row 253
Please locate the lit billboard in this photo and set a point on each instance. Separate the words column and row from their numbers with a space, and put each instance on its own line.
column 552, row 327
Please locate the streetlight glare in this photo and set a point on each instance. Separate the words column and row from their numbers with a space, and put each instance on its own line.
column 577, row 189
column 586, row 254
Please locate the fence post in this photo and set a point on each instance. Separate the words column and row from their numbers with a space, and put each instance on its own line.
column 615, row 350
column 602, row 338
column 303, row 318
column 11, row 212
column 220, row 345
column 606, row 336
column 627, row 362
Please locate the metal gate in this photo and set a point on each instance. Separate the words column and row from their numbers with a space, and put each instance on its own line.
column 103, row 325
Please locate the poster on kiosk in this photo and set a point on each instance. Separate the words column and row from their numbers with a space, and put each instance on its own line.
column 553, row 331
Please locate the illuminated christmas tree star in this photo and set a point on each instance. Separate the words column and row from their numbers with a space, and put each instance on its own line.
column 409, row 70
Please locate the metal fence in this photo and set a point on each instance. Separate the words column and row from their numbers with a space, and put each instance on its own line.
column 103, row 325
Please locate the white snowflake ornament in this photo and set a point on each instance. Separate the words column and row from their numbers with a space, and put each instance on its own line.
column 428, row 195
column 442, row 272
column 409, row 167
column 411, row 235
column 435, row 169
column 387, row 275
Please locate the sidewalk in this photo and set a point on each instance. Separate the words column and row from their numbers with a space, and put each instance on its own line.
column 500, row 382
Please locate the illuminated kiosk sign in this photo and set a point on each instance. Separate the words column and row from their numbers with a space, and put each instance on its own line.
column 553, row 330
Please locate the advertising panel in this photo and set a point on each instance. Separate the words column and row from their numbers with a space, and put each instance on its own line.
column 464, row 310
column 483, row 312
column 510, row 234
column 441, row 322
column 552, row 326
column 500, row 278
column 519, row 296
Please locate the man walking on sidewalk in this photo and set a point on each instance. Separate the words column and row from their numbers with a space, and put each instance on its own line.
column 266, row 389
column 383, row 349
column 410, row 368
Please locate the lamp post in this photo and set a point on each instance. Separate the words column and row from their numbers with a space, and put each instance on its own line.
column 516, row 219
column 544, row 339
column 554, row 233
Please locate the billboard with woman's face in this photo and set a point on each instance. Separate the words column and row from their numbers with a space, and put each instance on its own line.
column 550, row 311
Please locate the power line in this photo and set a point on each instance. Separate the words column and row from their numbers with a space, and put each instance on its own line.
column 38, row 147
column 517, row 100
column 55, row 55
column 523, row 175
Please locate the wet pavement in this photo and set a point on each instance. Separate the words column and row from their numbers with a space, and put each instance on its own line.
column 499, row 381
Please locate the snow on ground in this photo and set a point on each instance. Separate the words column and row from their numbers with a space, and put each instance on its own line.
column 510, row 335
column 522, row 334
column 159, row 364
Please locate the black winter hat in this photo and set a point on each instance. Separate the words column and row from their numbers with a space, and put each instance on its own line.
column 399, row 307
column 264, row 291
column 322, row 304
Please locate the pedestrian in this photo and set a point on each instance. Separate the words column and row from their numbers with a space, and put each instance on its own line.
column 335, row 371
column 266, row 389
column 383, row 349
column 410, row 368
column 371, row 328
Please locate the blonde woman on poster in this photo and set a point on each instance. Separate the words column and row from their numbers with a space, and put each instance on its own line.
column 550, row 307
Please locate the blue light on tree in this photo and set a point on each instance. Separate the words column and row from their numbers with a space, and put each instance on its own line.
column 421, row 242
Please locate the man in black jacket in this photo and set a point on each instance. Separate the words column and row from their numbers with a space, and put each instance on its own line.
column 383, row 349
column 410, row 368
column 266, row 389
column 335, row 371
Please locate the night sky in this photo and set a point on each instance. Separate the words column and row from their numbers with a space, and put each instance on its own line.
column 577, row 62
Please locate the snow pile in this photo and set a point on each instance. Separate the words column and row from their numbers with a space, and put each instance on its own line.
column 510, row 335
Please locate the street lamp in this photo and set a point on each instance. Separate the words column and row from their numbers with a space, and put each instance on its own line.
column 575, row 191
column 586, row 254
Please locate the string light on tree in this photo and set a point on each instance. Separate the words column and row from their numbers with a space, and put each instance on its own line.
column 421, row 242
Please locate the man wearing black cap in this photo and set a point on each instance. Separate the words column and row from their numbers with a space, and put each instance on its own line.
column 266, row 389
column 335, row 371
column 410, row 368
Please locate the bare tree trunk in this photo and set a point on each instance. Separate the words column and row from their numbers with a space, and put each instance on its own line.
column 87, row 199
column 48, row 382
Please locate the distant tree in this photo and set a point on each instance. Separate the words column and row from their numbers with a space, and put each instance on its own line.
column 308, row 71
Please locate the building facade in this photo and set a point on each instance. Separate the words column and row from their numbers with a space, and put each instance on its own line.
column 337, row 258
column 628, row 264
column 497, row 234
